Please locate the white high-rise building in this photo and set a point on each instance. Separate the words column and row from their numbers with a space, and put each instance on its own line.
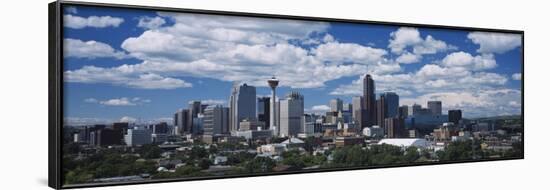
column 215, row 120
column 291, row 112
column 137, row 136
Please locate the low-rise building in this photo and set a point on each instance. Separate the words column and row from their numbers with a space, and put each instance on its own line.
column 220, row 160
column 405, row 142
column 293, row 143
column 272, row 149
column 349, row 141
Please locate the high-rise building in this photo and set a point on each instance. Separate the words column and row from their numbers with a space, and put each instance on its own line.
column 309, row 123
column 277, row 121
column 391, row 101
column 137, row 136
column 181, row 118
column 455, row 116
column 194, row 109
column 403, row 111
column 273, row 115
column 359, row 112
column 198, row 124
column 380, row 111
column 216, row 120
column 264, row 111
column 348, row 108
column 203, row 107
column 347, row 117
column 159, row 128
column 242, row 105
column 336, row 105
column 435, row 107
column 121, row 126
column 394, row 127
column 292, row 110
column 100, row 135
column 331, row 117
column 370, row 99
column 416, row 109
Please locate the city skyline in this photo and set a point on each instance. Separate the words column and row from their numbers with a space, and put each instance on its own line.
column 152, row 95
column 152, row 64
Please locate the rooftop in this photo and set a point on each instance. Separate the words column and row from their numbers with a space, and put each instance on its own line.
column 405, row 142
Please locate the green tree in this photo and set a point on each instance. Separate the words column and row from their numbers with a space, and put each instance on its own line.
column 411, row 154
column 294, row 162
column 187, row 170
column 150, row 151
column 198, row 152
column 260, row 165
column 239, row 157
column 461, row 150
column 349, row 156
column 204, row 163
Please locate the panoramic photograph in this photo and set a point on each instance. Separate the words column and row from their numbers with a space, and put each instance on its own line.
column 153, row 95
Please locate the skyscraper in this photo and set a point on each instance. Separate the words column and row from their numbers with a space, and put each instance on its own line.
column 416, row 109
column 194, row 108
column 370, row 99
column 359, row 113
column 159, row 128
column 392, row 104
column 242, row 104
column 394, row 127
column 348, row 108
column 216, row 120
column 264, row 111
column 336, row 105
column 198, row 124
column 121, row 126
column 455, row 116
column 435, row 107
column 387, row 106
column 403, row 111
column 137, row 136
column 181, row 118
column 273, row 83
column 381, row 111
column 292, row 110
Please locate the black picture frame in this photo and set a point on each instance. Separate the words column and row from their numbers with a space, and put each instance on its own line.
column 55, row 87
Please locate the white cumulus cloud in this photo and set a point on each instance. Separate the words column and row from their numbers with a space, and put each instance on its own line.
column 238, row 50
column 123, row 75
column 151, row 22
column 516, row 76
column 123, row 101
column 463, row 59
column 77, row 22
column 406, row 37
column 213, row 102
column 90, row 49
column 127, row 119
column 407, row 58
column 318, row 109
column 490, row 42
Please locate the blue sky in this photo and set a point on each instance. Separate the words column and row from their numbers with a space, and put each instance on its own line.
column 144, row 65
